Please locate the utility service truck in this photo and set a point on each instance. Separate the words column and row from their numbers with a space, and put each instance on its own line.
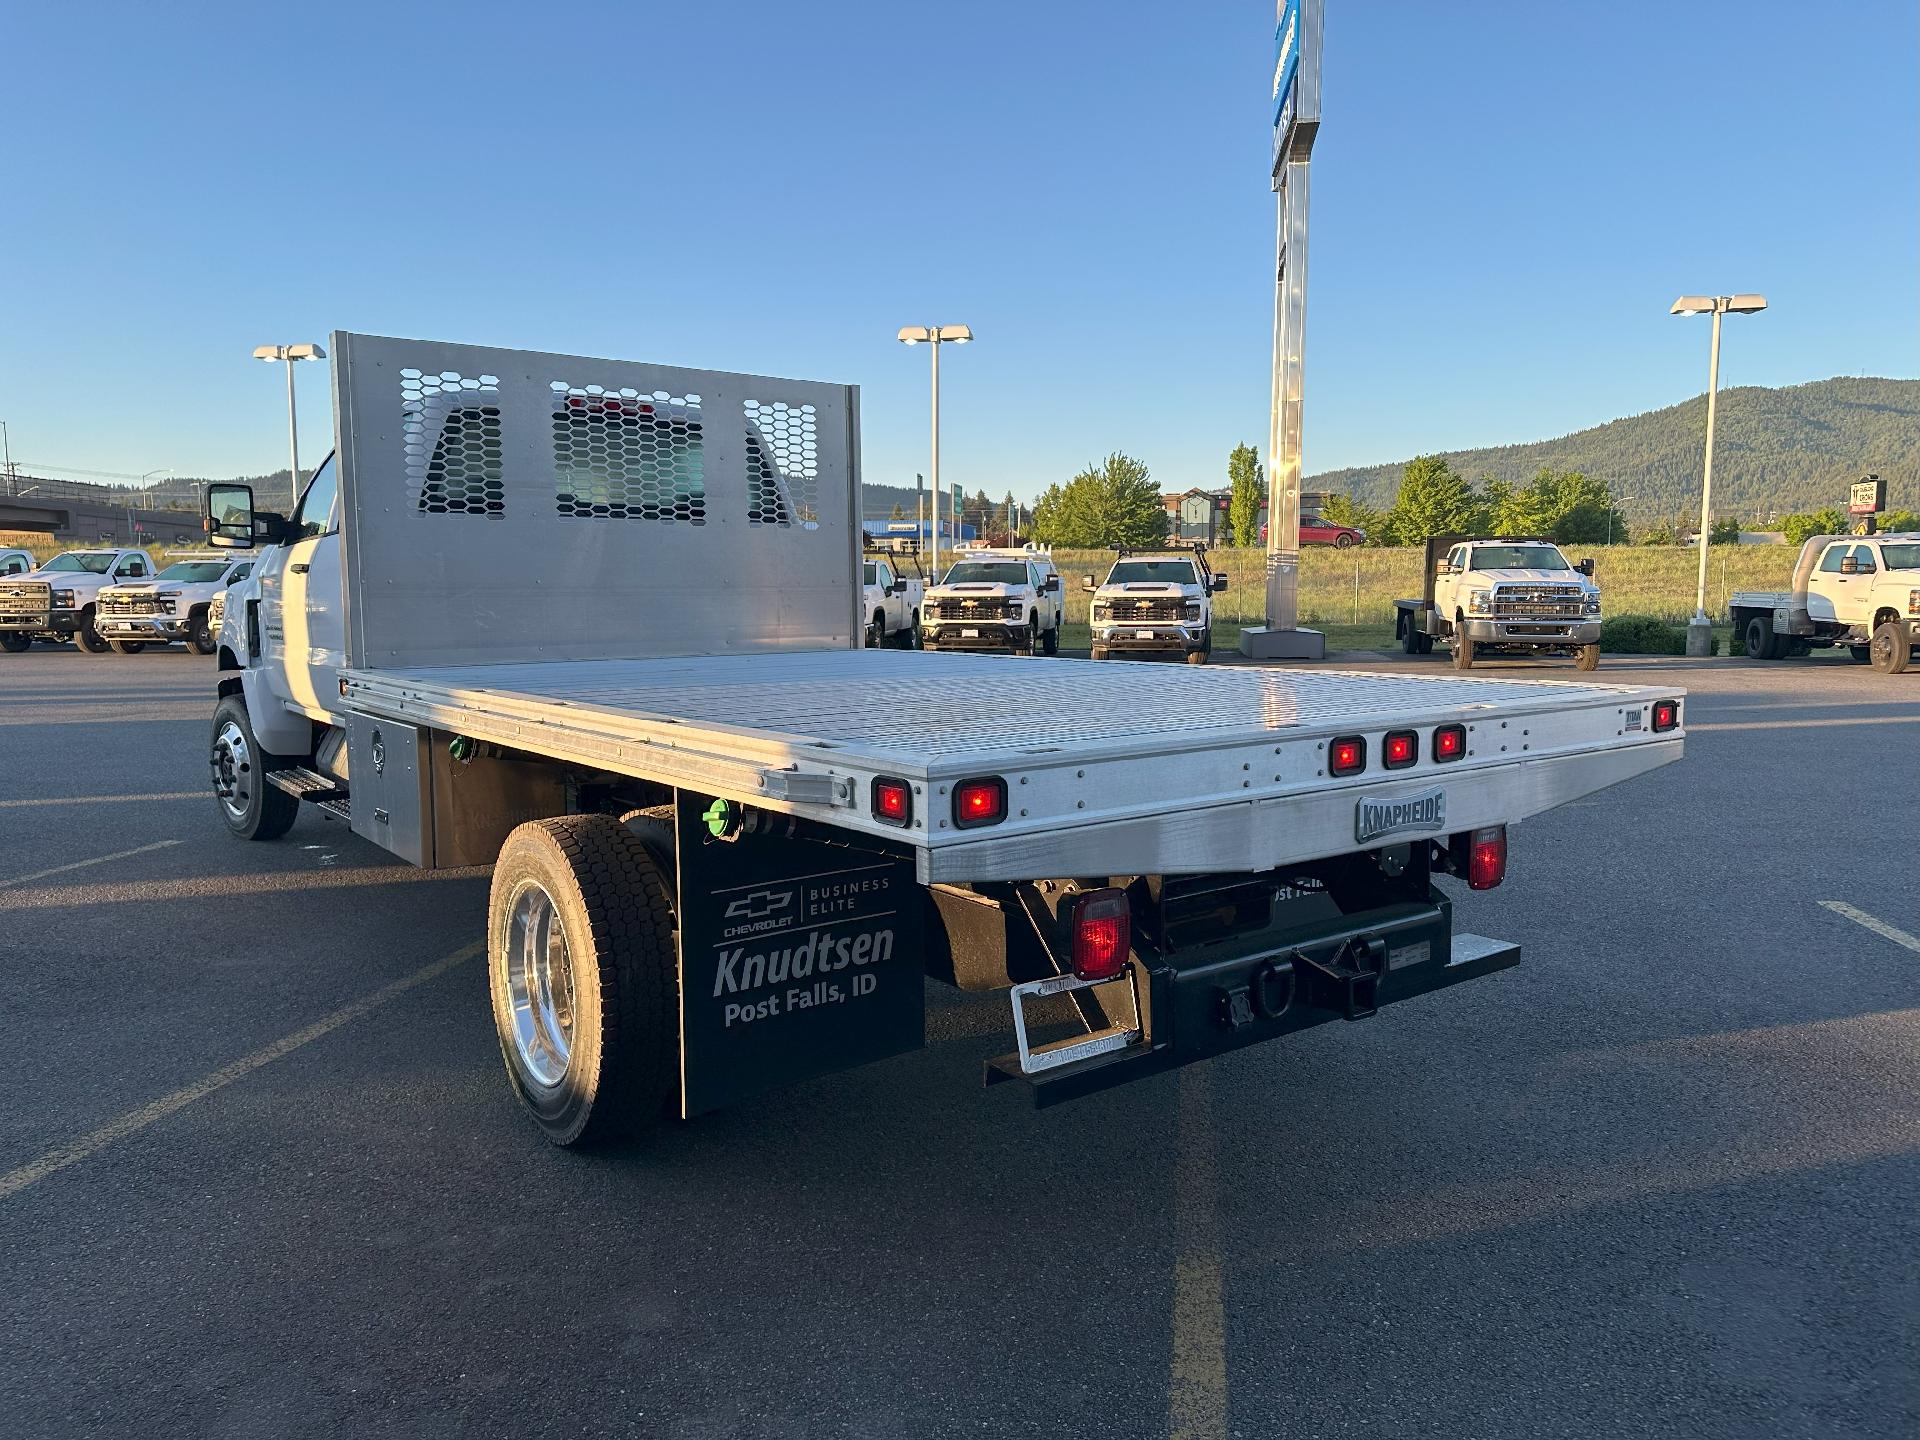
column 996, row 600
column 1860, row 591
column 891, row 598
column 729, row 843
column 1155, row 604
column 173, row 605
column 57, row 601
column 1503, row 597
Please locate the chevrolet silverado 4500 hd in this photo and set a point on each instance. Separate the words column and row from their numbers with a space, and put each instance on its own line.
column 173, row 605
column 729, row 842
column 1860, row 591
column 1503, row 597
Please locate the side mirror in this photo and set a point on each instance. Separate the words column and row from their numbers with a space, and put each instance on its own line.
column 1219, row 583
column 1585, row 567
column 1053, row 584
column 227, row 516
column 1849, row 566
column 1440, row 567
column 1087, row 584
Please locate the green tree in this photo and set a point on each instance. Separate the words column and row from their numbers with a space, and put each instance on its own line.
column 1433, row 500
column 1802, row 528
column 899, row 512
column 1724, row 531
column 1113, row 503
column 1566, row 506
column 1897, row 522
column 1248, row 490
column 1345, row 510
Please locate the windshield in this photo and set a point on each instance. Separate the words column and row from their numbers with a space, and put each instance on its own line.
column 74, row 561
column 1518, row 557
column 194, row 572
column 1152, row 572
column 985, row 572
column 1901, row 557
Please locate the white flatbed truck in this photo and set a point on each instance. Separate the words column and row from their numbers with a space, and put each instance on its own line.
column 729, row 843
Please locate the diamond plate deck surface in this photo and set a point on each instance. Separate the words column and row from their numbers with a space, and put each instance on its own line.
column 950, row 706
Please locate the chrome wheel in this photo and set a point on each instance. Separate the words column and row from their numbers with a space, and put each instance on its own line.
column 233, row 772
column 539, row 985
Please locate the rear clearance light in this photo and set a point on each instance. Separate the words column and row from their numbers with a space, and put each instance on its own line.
column 1102, row 934
column 1487, row 857
column 1666, row 715
column 1400, row 749
column 979, row 802
column 892, row 801
column 1347, row 755
column 1449, row 742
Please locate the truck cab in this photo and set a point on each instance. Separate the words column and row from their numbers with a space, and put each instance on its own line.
column 1512, row 596
column 173, row 605
column 58, row 601
column 1155, row 604
column 15, row 562
column 996, row 600
column 891, row 599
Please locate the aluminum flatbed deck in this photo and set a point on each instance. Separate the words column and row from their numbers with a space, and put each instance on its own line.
column 1111, row 769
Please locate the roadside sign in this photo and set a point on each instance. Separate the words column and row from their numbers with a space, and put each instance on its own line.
column 1868, row 496
column 1286, row 60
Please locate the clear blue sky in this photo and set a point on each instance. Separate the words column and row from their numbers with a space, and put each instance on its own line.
column 1506, row 198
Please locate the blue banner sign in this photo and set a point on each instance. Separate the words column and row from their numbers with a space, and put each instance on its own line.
column 1286, row 57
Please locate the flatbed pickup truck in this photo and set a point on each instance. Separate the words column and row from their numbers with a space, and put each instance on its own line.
column 1860, row 591
column 729, row 843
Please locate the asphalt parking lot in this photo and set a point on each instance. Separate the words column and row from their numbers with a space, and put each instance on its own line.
column 260, row 1173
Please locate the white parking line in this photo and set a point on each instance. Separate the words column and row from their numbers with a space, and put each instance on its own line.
column 14, row 1181
column 83, row 864
column 1879, row 927
column 104, row 799
column 1197, row 1393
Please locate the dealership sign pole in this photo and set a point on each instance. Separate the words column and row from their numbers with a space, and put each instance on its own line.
column 1296, row 120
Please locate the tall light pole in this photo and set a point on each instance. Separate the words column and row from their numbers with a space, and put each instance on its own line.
column 290, row 354
column 6, row 446
column 1700, row 628
column 936, row 336
column 1613, row 508
column 163, row 470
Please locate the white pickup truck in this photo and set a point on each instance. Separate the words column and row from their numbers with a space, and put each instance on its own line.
column 729, row 843
column 15, row 562
column 892, row 599
column 1155, row 604
column 173, row 605
column 996, row 600
column 1860, row 591
column 1507, row 597
column 56, row 602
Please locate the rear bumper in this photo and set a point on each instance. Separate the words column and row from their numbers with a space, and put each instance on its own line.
column 1347, row 968
column 1544, row 631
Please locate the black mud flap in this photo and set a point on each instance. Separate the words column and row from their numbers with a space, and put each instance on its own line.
column 797, row 959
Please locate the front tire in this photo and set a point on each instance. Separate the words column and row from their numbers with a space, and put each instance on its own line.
column 1462, row 649
column 1196, row 657
column 581, row 963
column 1587, row 657
column 1891, row 648
column 253, row 808
column 876, row 630
column 88, row 638
column 200, row 636
column 127, row 647
column 1099, row 652
column 16, row 644
column 1050, row 642
column 1343, row 542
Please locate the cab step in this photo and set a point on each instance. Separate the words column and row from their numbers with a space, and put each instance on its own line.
column 305, row 784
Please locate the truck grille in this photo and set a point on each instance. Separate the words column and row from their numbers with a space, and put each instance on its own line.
column 134, row 605
column 1160, row 607
column 973, row 609
column 34, row 598
column 1557, row 602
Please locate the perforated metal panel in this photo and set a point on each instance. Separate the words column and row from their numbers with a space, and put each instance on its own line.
column 504, row 505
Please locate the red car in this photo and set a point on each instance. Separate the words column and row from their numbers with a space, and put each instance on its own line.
column 1315, row 531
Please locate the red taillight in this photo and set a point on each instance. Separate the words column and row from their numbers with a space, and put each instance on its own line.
column 1449, row 742
column 892, row 801
column 1102, row 934
column 980, row 802
column 1347, row 755
column 1400, row 749
column 1666, row 715
column 1487, row 857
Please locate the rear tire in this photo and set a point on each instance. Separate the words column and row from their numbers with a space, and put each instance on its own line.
column 1760, row 638
column 16, row 644
column 253, row 808
column 581, row 966
column 126, row 647
column 1862, row 654
column 1587, row 657
column 88, row 638
column 1410, row 638
column 1891, row 649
